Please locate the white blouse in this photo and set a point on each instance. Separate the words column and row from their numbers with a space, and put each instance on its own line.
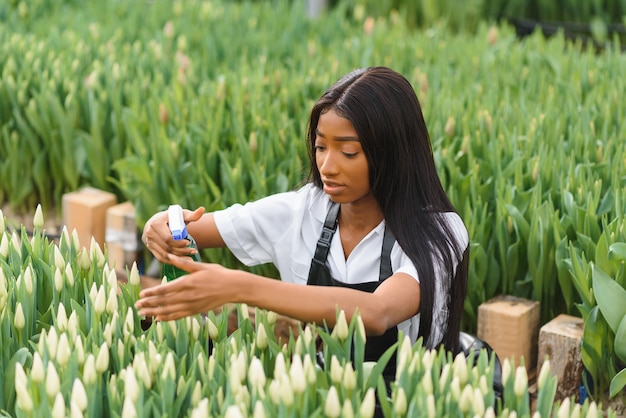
column 283, row 229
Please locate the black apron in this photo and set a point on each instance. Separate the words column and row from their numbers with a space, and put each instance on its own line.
column 319, row 275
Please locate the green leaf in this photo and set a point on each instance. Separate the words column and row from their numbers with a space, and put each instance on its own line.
column 611, row 298
column 617, row 251
column 620, row 340
column 618, row 383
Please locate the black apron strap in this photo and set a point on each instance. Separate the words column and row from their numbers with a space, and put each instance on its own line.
column 385, row 255
column 318, row 271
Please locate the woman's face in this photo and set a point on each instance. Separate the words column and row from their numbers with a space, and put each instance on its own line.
column 340, row 159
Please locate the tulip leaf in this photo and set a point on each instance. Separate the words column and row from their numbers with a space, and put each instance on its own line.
column 617, row 251
column 617, row 383
column 620, row 340
column 611, row 298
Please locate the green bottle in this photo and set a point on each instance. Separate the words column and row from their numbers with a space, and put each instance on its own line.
column 178, row 228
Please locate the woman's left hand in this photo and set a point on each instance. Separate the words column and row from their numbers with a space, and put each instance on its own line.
column 200, row 291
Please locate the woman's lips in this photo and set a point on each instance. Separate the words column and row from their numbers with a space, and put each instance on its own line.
column 332, row 188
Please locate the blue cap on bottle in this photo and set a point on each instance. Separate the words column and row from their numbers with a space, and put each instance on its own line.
column 176, row 222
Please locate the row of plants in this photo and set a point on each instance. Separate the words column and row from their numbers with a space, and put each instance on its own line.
column 74, row 345
column 532, row 156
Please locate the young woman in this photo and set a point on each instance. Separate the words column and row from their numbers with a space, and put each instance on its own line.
column 372, row 230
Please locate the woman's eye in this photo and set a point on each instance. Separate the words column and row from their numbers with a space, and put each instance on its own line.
column 319, row 148
column 350, row 154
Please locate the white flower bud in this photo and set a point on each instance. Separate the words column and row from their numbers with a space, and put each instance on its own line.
column 28, row 279
column 296, row 375
column 405, row 353
column 84, row 262
column 69, row 274
column 20, row 376
column 15, row 242
column 195, row 328
column 259, row 411
column 543, row 374
column 52, row 340
column 131, row 387
column 63, row 350
column 61, row 319
column 89, row 370
column 256, row 375
column 490, row 412
column 111, row 277
column 520, row 385
column 427, row 383
column 102, row 360
column 169, row 369
column 349, row 377
column 128, row 409
column 4, row 245
column 592, row 411
column 79, row 395
column 478, row 403
column 431, row 408
column 459, row 368
column 133, row 277
column 261, row 337
column 286, row 391
column 36, row 371
column 361, row 328
column 213, row 331
column 79, row 349
column 196, row 394
column 58, row 408
column 279, row 366
column 108, row 333
column 332, row 408
column 95, row 252
column 564, row 409
column 38, row 218
column 59, row 261
column 368, row 405
column 24, row 401
column 58, row 280
column 100, row 302
column 272, row 317
column 233, row 411
column 506, row 370
column 341, row 327
column 336, row 371
column 400, row 402
column 274, row 390
column 309, row 371
column 19, row 321
column 455, row 389
column 347, row 411
column 53, row 384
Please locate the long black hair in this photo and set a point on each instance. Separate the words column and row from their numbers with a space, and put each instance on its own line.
column 382, row 106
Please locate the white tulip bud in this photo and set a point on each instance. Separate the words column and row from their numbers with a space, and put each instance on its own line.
column 286, row 391
column 28, row 279
column 53, row 384
column 24, row 401
column 89, row 370
column 128, row 409
column 58, row 280
column 36, row 371
column 84, row 262
column 543, row 374
column 256, row 375
column 79, row 395
column 20, row 376
column 272, row 317
column 592, row 411
column 506, row 370
column 79, row 349
column 107, row 333
column 195, row 328
column 400, row 402
column 490, row 412
column 65, row 237
column 520, row 385
column 52, row 340
column 133, row 277
column 95, row 252
column 261, row 337
column 455, row 389
column 131, row 387
column 332, row 408
column 233, row 411
column 61, row 320
column 478, row 403
column 102, row 360
column 63, row 350
column 347, row 411
column 213, row 331
column 368, row 405
column 349, row 377
column 427, row 383
column 405, row 353
column 309, row 371
column 129, row 322
column 341, row 327
column 38, row 218
column 111, row 277
column 15, row 242
column 69, row 274
column 169, row 369
column 100, row 304
column 431, row 408
column 336, row 371
column 274, row 390
column 259, row 411
column 19, row 321
column 296, row 375
column 564, row 409
column 459, row 368
column 279, row 366
column 4, row 245
column 58, row 408
column 59, row 261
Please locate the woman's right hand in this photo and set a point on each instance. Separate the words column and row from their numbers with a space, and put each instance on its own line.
column 158, row 238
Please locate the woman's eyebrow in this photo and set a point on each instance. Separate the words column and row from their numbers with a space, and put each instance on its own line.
column 338, row 138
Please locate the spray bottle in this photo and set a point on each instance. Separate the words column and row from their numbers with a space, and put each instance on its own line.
column 178, row 228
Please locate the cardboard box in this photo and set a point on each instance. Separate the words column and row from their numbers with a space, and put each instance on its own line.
column 122, row 241
column 85, row 211
column 510, row 325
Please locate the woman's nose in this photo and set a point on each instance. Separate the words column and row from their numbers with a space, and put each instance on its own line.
column 327, row 164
